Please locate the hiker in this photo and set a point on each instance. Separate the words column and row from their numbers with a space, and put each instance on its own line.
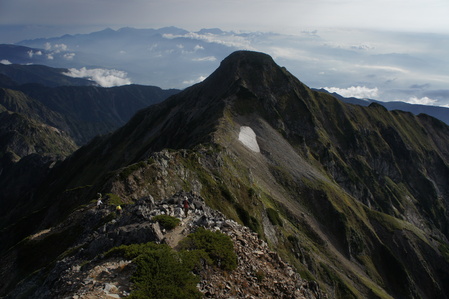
column 99, row 202
column 118, row 209
column 185, row 204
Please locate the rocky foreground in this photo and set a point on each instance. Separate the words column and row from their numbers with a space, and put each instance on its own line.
column 260, row 273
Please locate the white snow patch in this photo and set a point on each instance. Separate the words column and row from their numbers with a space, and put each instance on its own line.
column 248, row 138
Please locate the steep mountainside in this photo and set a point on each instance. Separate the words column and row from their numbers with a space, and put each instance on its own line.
column 28, row 150
column 83, row 110
column 90, row 111
column 355, row 198
column 17, row 101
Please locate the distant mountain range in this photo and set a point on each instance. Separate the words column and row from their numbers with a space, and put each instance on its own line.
column 145, row 54
column 12, row 75
column 442, row 113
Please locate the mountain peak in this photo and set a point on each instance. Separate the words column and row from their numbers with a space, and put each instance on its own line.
column 253, row 70
column 243, row 60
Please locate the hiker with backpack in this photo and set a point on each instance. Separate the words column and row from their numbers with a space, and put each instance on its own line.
column 185, row 205
column 99, row 202
column 118, row 210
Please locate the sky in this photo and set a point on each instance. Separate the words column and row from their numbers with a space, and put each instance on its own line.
column 406, row 40
column 265, row 15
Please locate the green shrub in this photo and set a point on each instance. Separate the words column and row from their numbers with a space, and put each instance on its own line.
column 246, row 218
column 167, row 222
column 260, row 275
column 114, row 199
column 160, row 271
column 164, row 273
column 227, row 194
column 273, row 216
column 293, row 239
column 218, row 246
column 161, row 274
column 251, row 192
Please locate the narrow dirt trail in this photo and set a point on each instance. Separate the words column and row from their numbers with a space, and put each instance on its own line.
column 173, row 237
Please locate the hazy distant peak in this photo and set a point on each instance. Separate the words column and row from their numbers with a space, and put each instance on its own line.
column 216, row 31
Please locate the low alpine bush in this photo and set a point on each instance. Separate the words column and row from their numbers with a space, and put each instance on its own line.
column 161, row 272
column 167, row 222
column 218, row 246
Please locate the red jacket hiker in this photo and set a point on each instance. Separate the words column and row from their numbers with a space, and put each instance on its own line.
column 186, row 206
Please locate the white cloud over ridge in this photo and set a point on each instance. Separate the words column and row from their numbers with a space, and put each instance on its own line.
column 229, row 39
column 207, row 58
column 104, row 77
column 69, row 56
column 197, row 80
column 422, row 101
column 361, row 92
column 31, row 53
column 5, row 62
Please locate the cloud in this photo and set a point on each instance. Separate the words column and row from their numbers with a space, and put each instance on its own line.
column 61, row 47
column 363, row 47
column 31, row 53
column 69, row 56
column 207, row 58
column 387, row 68
column 229, row 40
column 361, row 92
column 5, row 61
column 104, row 77
column 420, row 86
column 421, row 101
column 197, row 80
column 198, row 47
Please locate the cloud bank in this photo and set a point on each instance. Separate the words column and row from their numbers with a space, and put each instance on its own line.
column 361, row 92
column 422, row 101
column 197, row 80
column 104, row 77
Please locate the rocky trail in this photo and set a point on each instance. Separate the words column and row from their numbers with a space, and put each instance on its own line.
column 260, row 273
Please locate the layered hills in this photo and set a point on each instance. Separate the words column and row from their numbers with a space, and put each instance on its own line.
column 355, row 198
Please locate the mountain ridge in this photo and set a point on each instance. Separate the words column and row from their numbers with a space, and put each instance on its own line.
column 438, row 112
column 360, row 193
